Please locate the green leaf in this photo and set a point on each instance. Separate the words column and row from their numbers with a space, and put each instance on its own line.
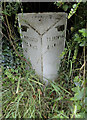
column 77, row 79
column 78, row 105
column 86, row 91
column 76, row 89
column 75, row 52
column 65, row 7
column 82, row 44
column 84, row 32
column 80, row 115
column 86, row 101
column 78, row 96
column 74, row 6
column 77, row 38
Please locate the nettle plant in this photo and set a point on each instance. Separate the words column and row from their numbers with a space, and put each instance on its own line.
column 81, row 37
column 79, row 90
column 78, row 41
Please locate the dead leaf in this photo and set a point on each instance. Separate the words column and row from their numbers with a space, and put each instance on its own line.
column 34, row 96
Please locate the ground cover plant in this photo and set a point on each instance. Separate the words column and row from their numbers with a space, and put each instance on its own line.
column 23, row 94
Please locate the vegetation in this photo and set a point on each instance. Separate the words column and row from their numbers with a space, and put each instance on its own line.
column 24, row 95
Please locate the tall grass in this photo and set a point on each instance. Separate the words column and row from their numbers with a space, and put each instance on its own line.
column 24, row 96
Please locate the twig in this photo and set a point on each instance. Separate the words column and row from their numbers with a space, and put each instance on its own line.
column 83, row 66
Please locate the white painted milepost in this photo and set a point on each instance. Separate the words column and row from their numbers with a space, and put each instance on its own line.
column 43, row 36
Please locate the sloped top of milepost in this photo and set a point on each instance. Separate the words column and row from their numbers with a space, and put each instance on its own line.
column 41, row 22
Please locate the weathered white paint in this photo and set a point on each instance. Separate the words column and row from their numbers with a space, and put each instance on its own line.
column 43, row 36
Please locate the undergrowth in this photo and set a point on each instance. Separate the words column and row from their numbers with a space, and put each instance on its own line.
column 24, row 95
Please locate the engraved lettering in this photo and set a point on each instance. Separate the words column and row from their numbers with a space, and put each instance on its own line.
column 50, row 16
column 32, row 46
column 48, row 47
column 47, row 17
column 24, row 28
column 60, row 28
column 26, row 43
column 53, row 38
column 54, row 44
column 25, row 36
column 31, row 38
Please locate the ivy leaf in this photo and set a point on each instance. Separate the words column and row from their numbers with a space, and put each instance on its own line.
column 77, row 38
column 65, row 7
column 84, row 32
